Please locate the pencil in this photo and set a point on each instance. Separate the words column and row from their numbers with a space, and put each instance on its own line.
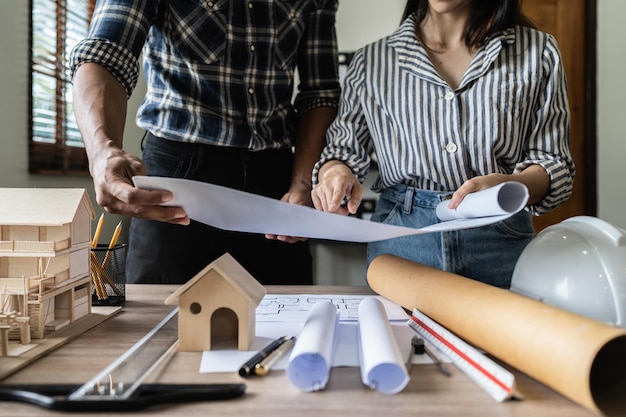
column 112, row 243
column 96, row 277
column 99, row 274
column 96, row 235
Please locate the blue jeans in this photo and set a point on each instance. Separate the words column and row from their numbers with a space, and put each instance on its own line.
column 487, row 254
column 171, row 254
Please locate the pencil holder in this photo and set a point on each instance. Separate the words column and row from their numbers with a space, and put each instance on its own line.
column 108, row 275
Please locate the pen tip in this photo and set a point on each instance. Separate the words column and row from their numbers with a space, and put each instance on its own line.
column 260, row 371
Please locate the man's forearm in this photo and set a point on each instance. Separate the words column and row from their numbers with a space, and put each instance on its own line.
column 310, row 140
column 100, row 105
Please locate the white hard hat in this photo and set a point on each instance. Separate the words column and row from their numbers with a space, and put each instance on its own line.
column 578, row 265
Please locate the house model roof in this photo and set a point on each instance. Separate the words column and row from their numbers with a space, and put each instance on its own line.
column 41, row 206
column 232, row 272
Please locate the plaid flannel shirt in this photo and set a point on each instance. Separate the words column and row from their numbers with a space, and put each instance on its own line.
column 219, row 71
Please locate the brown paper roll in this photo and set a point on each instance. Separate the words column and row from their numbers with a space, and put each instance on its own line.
column 581, row 358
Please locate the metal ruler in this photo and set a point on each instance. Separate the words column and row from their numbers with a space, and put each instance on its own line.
column 121, row 385
column 124, row 375
column 489, row 375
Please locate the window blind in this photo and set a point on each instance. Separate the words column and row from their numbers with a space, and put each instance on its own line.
column 56, row 146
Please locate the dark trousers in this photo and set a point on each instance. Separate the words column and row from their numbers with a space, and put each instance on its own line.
column 171, row 254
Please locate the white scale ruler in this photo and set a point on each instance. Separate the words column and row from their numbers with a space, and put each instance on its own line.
column 493, row 378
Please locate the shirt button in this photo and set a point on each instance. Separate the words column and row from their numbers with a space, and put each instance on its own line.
column 210, row 4
column 451, row 147
column 449, row 95
column 252, row 48
column 250, row 90
column 250, row 5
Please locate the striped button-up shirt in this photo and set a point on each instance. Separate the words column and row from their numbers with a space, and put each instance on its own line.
column 220, row 71
column 509, row 111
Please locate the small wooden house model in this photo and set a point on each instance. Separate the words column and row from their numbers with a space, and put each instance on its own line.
column 220, row 301
column 44, row 256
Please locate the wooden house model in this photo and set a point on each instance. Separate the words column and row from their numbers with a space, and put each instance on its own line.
column 44, row 256
column 220, row 301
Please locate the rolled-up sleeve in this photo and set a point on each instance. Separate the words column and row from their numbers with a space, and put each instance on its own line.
column 116, row 59
column 348, row 137
column 117, row 34
column 318, row 61
column 549, row 141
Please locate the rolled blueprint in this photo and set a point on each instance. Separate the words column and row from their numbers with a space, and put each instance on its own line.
column 504, row 199
column 382, row 365
column 312, row 355
column 583, row 359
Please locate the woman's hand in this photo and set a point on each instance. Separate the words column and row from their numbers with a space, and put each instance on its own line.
column 534, row 177
column 338, row 191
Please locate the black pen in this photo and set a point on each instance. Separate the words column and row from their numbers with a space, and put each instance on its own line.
column 263, row 367
column 247, row 368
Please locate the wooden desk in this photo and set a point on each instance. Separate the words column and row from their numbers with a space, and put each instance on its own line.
column 429, row 392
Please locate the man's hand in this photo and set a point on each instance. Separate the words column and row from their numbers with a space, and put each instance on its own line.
column 112, row 173
column 299, row 193
column 100, row 110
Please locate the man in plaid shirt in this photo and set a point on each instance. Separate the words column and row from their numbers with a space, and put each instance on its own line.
column 219, row 108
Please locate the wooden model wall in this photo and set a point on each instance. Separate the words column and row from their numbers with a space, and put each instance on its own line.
column 44, row 256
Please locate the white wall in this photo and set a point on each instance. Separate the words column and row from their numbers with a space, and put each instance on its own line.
column 360, row 22
column 611, row 122
column 14, row 94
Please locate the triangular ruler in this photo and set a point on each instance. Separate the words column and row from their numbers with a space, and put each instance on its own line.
column 489, row 375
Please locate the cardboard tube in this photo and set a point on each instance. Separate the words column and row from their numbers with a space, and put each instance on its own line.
column 581, row 358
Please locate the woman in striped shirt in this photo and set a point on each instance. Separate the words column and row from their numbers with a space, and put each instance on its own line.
column 463, row 96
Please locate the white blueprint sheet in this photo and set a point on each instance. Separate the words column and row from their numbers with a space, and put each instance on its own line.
column 288, row 321
column 239, row 211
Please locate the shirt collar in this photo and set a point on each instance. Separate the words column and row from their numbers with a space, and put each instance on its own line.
column 486, row 55
column 413, row 57
column 410, row 52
